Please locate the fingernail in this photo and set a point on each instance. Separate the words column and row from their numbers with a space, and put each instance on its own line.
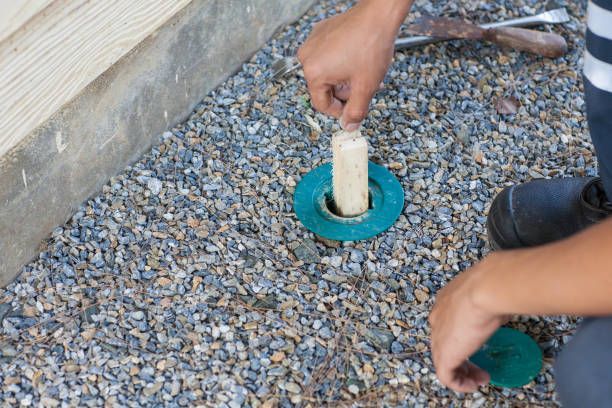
column 350, row 127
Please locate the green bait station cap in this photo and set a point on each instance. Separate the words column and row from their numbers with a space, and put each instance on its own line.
column 313, row 204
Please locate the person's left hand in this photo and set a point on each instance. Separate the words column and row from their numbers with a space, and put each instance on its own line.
column 459, row 326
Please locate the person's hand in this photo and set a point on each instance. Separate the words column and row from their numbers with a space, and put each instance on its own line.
column 347, row 56
column 540, row 280
column 459, row 326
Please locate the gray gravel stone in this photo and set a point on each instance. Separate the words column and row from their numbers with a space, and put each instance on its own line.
column 187, row 280
column 307, row 251
column 154, row 185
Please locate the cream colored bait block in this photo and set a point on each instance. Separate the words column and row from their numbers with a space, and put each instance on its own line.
column 350, row 173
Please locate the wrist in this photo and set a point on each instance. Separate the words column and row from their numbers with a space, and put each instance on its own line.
column 485, row 291
column 388, row 13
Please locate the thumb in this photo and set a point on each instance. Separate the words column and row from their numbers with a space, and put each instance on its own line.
column 356, row 108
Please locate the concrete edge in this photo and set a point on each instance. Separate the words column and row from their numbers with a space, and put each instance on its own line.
column 121, row 114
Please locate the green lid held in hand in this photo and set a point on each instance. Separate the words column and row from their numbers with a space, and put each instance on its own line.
column 511, row 358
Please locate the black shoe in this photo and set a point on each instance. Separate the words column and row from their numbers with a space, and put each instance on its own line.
column 542, row 211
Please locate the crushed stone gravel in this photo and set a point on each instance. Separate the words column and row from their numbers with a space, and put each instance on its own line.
column 189, row 281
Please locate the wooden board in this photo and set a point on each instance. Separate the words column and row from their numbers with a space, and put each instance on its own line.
column 15, row 13
column 59, row 53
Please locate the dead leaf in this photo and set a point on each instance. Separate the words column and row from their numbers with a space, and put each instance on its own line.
column 36, row 378
column 291, row 333
column 196, row 282
column 250, row 325
column 421, row 295
column 479, row 157
column 315, row 129
column 160, row 235
column 287, row 304
column 270, row 403
column 163, row 281
column 30, row 311
column 202, row 232
column 277, row 357
column 507, row 106
column 194, row 337
column 503, row 59
column 193, row 222
column 89, row 334
column 312, row 124
column 402, row 324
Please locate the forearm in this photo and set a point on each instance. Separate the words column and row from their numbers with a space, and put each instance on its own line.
column 390, row 13
column 573, row 276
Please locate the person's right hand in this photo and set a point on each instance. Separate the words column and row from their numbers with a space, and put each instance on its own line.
column 347, row 56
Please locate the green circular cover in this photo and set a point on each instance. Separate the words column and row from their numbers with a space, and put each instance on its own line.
column 511, row 358
column 314, row 192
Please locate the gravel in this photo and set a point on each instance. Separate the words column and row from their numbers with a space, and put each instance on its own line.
column 189, row 281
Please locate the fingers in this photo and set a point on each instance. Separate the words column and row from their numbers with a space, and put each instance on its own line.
column 343, row 101
column 356, row 108
column 465, row 378
column 342, row 92
column 468, row 377
column 480, row 376
column 324, row 101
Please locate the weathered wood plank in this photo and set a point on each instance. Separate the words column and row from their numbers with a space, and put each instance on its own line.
column 15, row 13
column 49, row 63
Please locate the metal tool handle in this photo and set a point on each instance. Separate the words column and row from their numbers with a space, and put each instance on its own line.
column 542, row 18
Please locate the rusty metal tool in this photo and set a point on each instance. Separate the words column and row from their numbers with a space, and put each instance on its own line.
column 288, row 64
column 537, row 42
column 555, row 16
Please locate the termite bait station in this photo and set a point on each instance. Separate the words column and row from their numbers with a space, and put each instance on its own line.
column 314, row 205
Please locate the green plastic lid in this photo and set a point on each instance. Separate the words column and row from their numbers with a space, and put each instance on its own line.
column 511, row 358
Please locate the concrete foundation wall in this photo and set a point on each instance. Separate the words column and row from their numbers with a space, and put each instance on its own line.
column 122, row 113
